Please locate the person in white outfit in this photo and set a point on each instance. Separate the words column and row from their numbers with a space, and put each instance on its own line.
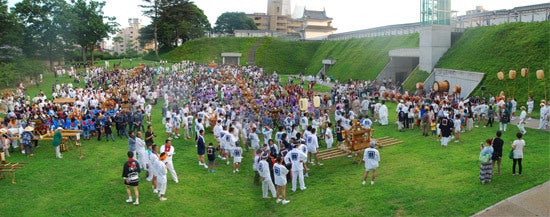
column 254, row 139
column 296, row 158
column 383, row 112
column 265, row 176
column 312, row 146
column 162, row 181
column 544, row 113
column 169, row 150
column 329, row 139
column 280, row 171
column 141, row 151
column 371, row 157
column 521, row 123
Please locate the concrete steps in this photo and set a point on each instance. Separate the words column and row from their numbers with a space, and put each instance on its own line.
column 252, row 52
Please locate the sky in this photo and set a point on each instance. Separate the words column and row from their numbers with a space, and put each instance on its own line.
column 348, row 15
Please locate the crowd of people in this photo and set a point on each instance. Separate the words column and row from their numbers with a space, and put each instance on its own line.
column 243, row 107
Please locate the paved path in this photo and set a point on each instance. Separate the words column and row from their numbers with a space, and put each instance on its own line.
column 533, row 202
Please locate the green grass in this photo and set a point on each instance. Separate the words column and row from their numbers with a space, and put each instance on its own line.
column 416, row 76
column 360, row 59
column 205, row 50
column 286, row 57
column 416, row 178
column 503, row 48
column 316, row 88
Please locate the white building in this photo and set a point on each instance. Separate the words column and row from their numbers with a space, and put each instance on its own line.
column 127, row 38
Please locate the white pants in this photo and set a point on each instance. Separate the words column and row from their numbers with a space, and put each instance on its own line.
column 521, row 127
column 151, row 171
column 502, row 126
column 170, row 167
column 298, row 174
column 57, row 152
column 445, row 140
column 543, row 122
column 329, row 142
column 267, row 184
column 141, row 160
column 161, row 185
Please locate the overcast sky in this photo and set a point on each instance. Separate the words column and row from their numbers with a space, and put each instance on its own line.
column 348, row 15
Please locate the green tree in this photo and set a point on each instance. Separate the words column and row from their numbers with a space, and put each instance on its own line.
column 180, row 21
column 10, row 34
column 152, row 9
column 228, row 22
column 131, row 50
column 146, row 35
column 42, row 32
column 86, row 25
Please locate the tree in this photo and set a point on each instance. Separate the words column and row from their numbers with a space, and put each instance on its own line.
column 146, row 35
column 228, row 22
column 86, row 24
column 42, row 32
column 10, row 34
column 176, row 21
column 152, row 9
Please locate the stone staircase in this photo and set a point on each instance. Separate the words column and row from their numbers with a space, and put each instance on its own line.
column 252, row 52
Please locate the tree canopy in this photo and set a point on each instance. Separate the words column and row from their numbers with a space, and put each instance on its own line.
column 228, row 22
column 175, row 21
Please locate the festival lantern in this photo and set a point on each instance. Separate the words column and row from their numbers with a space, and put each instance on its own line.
column 316, row 101
column 303, row 104
column 500, row 75
column 523, row 72
column 512, row 74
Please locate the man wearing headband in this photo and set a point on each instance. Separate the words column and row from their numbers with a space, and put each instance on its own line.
column 168, row 149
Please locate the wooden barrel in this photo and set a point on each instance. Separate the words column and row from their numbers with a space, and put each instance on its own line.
column 457, row 89
column 441, row 86
column 419, row 85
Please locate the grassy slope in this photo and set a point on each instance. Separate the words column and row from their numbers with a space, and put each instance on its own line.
column 285, row 57
column 356, row 58
column 502, row 48
column 417, row 178
column 416, row 76
column 359, row 58
column 205, row 50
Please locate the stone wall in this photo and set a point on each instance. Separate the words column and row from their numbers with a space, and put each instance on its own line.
column 467, row 80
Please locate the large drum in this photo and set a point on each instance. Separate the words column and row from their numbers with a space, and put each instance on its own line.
column 457, row 89
column 441, row 86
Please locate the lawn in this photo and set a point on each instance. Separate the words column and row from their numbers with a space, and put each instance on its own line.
column 416, row 178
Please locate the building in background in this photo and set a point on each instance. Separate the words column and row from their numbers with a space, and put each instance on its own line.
column 127, row 38
column 315, row 25
column 278, row 21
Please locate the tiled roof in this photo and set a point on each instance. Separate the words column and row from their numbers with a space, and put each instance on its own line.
column 318, row 15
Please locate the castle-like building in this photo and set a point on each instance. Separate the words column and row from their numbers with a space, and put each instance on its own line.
column 313, row 25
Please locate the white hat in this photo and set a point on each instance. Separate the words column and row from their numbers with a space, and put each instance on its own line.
column 60, row 128
column 29, row 128
column 3, row 130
